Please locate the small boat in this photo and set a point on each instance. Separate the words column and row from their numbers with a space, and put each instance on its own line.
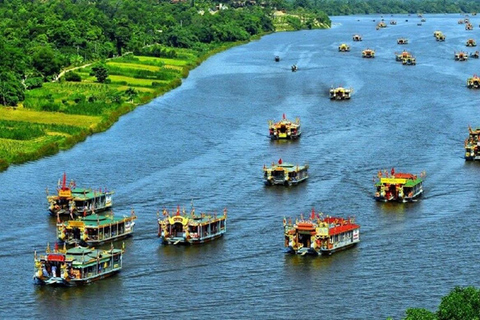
column 469, row 26
column 423, row 20
column 475, row 55
column 294, row 68
column 436, row 33
column 189, row 229
column 471, row 43
column 381, row 24
column 368, row 53
column 403, row 55
column 96, row 229
column 419, row 24
column 284, row 129
column 76, row 265
column 400, row 187
column 357, row 37
column 461, row 56
column 409, row 61
column 344, row 47
column 473, row 82
column 402, row 41
column 320, row 235
column 74, row 201
column 472, row 145
column 286, row 174
column 460, row 21
column 393, row 22
column 277, row 58
column 440, row 37
column 340, row 93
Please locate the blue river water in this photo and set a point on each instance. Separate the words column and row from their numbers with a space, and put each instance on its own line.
column 206, row 141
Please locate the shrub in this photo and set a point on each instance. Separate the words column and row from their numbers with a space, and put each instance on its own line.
column 73, row 76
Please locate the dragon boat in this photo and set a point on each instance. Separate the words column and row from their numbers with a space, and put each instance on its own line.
column 473, row 82
column 472, row 145
column 409, row 61
column 78, row 265
column 357, row 37
column 400, row 187
column 468, row 26
column 340, row 93
column 461, row 56
column 381, row 24
column 471, row 43
column 368, row 53
column 96, row 229
column 344, row 47
column 286, row 174
column 402, row 41
column 440, row 37
column 320, row 235
column 284, row 129
column 74, row 201
column 189, row 229
column 403, row 55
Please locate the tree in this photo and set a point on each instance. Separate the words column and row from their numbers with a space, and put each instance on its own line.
column 12, row 90
column 460, row 304
column 101, row 73
column 46, row 61
column 419, row 314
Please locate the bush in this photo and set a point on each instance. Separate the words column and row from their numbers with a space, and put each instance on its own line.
column 73, row 76
column 35, row 82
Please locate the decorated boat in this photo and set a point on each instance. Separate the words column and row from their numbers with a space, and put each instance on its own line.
column 475, row 55
column 473, row 82
column 403, row 55
column 284, row 129
column 436, row 33
column 400, row 187
column 183, row 228
column 78, row 265
column 368, row 53
column 340, row 93
column 381, row 24
column 277, row 58
column 320, row 235
column 461, row 56
column 468, row 26
column 344, row 47
column 409, row 61
column 286, row 174
column 471, row 43
column 75, row 201
column 96, row 229
column 402, row 41
column 357, row 37
column 440, row 37
column 472, row 144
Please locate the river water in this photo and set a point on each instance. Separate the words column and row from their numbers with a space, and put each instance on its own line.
column 206, row 141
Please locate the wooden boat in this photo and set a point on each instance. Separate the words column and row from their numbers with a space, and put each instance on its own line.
column 472, row 145
column 409, row 61
column 320, row 235
column 471, row 43
column 76, row 265
column 402, row 41
column 190, row 228
column 340, row 93
column 344, row 47
column 461, row 56
column 277, row 58
column 75, row 201
column 294, row 68
column 285, row 174
column 400, row 187
column 403, row 55
column 284, row 129
column 96, row 229
column 475, row 55
column 357, row 37
column 440, row 37
column 368, row 53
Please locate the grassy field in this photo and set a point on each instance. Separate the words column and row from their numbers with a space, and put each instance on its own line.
column 60, row 114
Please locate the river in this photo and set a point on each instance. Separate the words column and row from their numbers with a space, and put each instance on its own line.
column 206, row 141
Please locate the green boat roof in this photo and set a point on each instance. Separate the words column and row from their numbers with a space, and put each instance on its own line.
column 410, row 183
column 95, row 220
column 85, row 194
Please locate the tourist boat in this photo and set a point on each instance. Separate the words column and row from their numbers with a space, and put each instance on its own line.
column 402, row 56
column 437, row 33
column 423, row 20
column 440, row 37
column 460, row 21
column 74, row 201
column 340, row 93
column 393, row 22
column 400, row 187
column 294, row 68
column 402, row 41
column 277, row 58
column 409, row 61
column 472, row 145
column 368, row 53
column 284, row 129
column 473, row 82
column 357, row 37
column 189, row 229
column 286, row 174
column 475, row 55
column 76, row 265
column 469, row 26
column 344, row 47
column 471, row 43
column 96, row 229
column 320, row 235
column 461, row 56
column 381, row 24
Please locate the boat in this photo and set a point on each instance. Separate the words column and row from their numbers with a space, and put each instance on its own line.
column 381, row 24
column 78, row 265
column 96, row 229
column 403, row 55
column 294, row 68
column 400, row 187
column 284, row 129
column 393, row 22
column 473, row 82
column 409, row 61
column 190, row 229
column 340, row 93
column 440, row 37
column 344, row 47
column 472, row 145
column 277, row 58
column 461, row 56
column 460, row 21
column 357, row 37
column 475, row 55
column 436, row 33
column 286, row 174
column 74, row 201
column 471, row 43
column 402, row 41
column 320, row 235
column 469, row 26
column 423, row 20
column 368, row 53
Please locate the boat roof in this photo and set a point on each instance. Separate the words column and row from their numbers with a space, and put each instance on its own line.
column 97, row 220
column 286, row 166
